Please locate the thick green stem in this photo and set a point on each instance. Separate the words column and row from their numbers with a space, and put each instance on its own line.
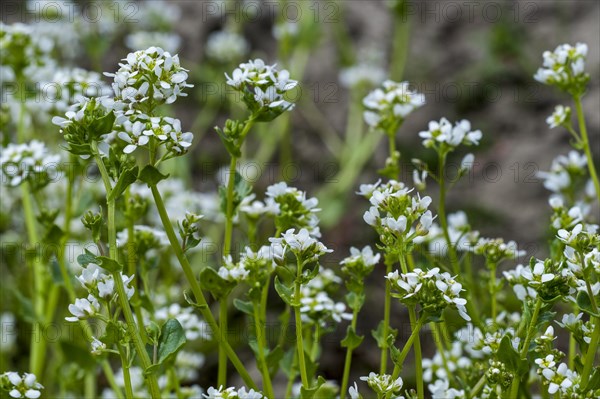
column 478, row 387
column 586, row 145
column 196, row 289
column 514, row 389
column 120, row 287
column 593, row 346
column 386, row 320
column 492, row 288
column 442, row 215
column 223, row 326
column 348, row 360
column 299, row 329
column 260, row 340
column 413, row 336
column 126, row 374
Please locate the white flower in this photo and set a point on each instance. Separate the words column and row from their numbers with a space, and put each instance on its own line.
column 394, row 101
column 22, row 386
column 443, row 132
column 83, row 308
column 559, row 116
column 98, row 347
column 397, row 225
column 569, row 237
column 419, row 179
column 383, row 383
column 365, row 255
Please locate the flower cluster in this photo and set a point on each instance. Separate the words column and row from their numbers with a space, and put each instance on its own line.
column 72, row 85
column 544, row 278
column 20, row 47
column 21, row 385
column 225, row 46
column 559, row 379
column 430, row 289
column 462, row 237
column 443, row 136
column 383, row 384
column 316, row 304
column 564, row 172
column 100, row 288
column 496, row 250
column 291, row 208
column 394, row 211
column 148, row 78
column 300, row 244
column 165, row 130
column 387, row 107
column 232, row 393
column 263, row 88
column 30, row 162
column 565, row 68
column 359, row 264
column 253, row 267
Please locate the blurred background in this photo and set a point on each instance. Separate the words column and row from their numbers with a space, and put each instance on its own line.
column 472, row 60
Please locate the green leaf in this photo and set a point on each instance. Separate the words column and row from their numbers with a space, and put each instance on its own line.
column 378, row 335
column 188, row 298
column 311, row 392
column 509, row 356
column 273, row 359
column 112, row 334
column 594, row 381
column 87, row 258
column 78, row 355
column 352, row 341
column 287, row 362
column 172, row 339
column 128, row 177
column 585, row 304
column 103, row 125
column 109, row 264
column 327, row 391
column 151, row 176
column 215, row 284
column 355, row 300
column 286, row 293
column 244, row 307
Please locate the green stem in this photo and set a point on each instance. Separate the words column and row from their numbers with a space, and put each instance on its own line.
column 223, row 325
column 222, row 371
column 412, row 314
column 478, row 387
column 196, row 290
column 260, row 340
column 442, row 216
column 90, row 385
column 591, row 354
column 413, row 336
column 400, row 43
column 586, row 145
column 593, row 346
column 386, row 320
column 514, row 389
column 299, row 330
column 119, row 286
column 492, row 288
column 126, row 374
column 348, row 360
